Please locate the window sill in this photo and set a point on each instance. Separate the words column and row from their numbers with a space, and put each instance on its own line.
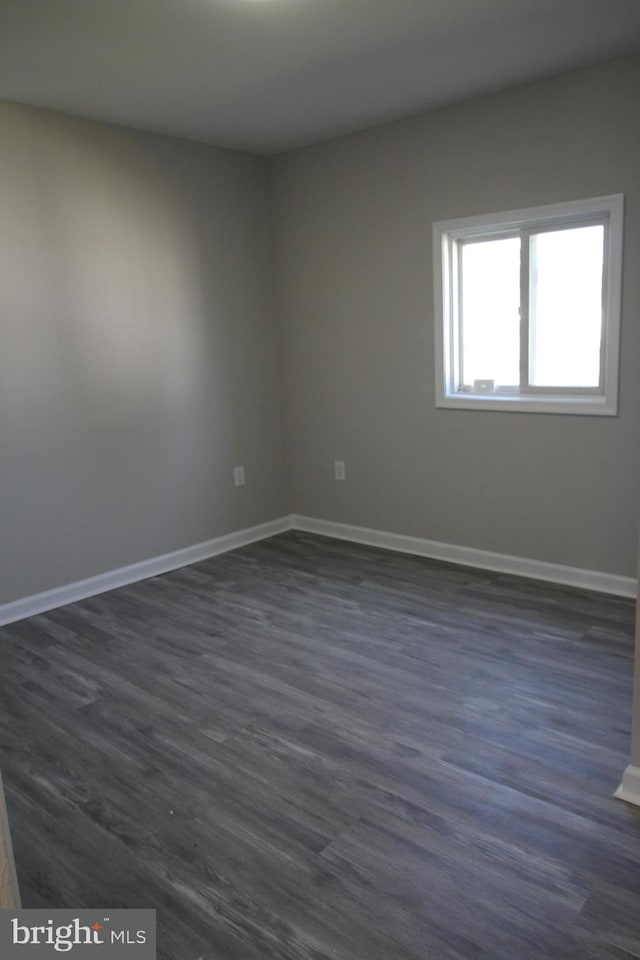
column 584, row 406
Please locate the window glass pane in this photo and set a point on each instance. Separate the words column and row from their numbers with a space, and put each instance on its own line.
column 565, row 312
column 491, row 311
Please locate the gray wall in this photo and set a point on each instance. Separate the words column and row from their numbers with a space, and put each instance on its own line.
column 140, row 358
column 354, row 254
column 138, row 361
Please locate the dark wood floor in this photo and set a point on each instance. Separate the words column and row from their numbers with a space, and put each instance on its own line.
column 311, row 750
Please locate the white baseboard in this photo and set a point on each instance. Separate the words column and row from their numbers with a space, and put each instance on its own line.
column 629, row 789
column 470, row 557
column 467, row 556
column 81, row 589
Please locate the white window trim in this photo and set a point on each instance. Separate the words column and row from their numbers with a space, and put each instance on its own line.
column 445, row 235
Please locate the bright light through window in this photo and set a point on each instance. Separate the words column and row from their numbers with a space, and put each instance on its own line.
column 528, row 308
column 491, row 311
column 566, row 307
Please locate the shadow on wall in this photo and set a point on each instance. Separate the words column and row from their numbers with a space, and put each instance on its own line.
column 124, row 318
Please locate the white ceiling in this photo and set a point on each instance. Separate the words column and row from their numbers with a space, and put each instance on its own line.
column 269, row 75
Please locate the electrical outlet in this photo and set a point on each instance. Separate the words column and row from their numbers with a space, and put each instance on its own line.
column 238, row 476
column 339, row 470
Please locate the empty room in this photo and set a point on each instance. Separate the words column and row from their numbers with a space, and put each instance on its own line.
column 320, row 479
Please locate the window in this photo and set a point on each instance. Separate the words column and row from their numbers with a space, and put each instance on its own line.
column 528, row 308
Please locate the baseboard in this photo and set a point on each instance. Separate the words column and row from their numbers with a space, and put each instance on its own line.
column 81, row 589
column 467, row 556
column 629, row 789
column 470, row 557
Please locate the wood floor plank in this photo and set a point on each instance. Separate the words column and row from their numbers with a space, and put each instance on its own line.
column 314, row 750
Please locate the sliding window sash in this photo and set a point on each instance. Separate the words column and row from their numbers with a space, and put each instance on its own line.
column 527, row 292
column 527, row 306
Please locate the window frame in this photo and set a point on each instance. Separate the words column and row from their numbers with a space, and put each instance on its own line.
column 448, row 238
